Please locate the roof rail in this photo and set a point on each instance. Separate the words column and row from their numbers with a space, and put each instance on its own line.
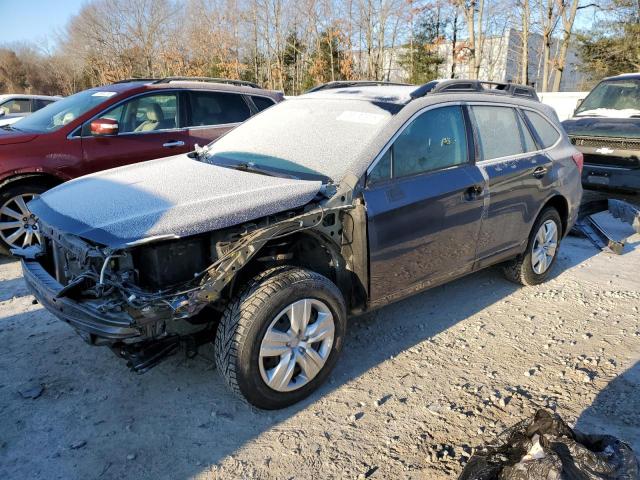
column 240, row 83
column 129, row 80
column 478, row 86
column 352, row 83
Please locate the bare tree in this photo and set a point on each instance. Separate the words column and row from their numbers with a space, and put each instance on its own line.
column 568, row 10
column 524, row 59
column 473, row 12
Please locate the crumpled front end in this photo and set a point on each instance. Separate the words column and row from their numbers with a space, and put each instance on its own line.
column 93, row 289
column 150, row 291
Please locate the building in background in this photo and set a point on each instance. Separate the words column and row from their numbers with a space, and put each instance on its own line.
column 501, row 62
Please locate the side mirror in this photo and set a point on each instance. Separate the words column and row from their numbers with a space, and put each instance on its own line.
column 102, row 127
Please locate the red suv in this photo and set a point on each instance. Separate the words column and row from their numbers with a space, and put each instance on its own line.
column 105, row 127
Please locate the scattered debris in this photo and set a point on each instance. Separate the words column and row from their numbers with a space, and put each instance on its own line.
column 544, row 447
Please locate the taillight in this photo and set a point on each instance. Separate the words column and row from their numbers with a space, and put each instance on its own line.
column 578, row 157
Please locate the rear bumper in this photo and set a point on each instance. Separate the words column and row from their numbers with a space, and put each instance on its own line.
column 601, row 176
column 89, row 322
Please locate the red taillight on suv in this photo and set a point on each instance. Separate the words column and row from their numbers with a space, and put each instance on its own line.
column 578, row 157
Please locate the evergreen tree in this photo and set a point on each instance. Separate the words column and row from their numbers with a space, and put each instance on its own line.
column 613, row 48
column 420, row 58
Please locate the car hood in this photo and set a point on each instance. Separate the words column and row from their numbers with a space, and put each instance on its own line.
column 9, row 119
column 11, row 137
column 603, row 127
column 167, row 198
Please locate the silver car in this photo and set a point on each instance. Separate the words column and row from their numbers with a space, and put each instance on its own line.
column 15, row 106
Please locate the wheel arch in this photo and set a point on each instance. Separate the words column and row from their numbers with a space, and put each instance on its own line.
column 560, row 203
column 47, row 179
column 308, row 249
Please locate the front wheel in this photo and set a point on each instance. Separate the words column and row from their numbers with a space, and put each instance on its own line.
column 279, row 338
column 18, row 227
column 534, row 266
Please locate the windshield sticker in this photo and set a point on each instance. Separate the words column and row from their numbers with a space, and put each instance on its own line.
column 103, row 94
column 361, row 117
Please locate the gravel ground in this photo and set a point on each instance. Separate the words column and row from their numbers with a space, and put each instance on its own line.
column 420, row 383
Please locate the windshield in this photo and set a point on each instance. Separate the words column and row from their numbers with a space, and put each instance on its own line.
column 57, row 114
column 612, row 98
column 303, row 137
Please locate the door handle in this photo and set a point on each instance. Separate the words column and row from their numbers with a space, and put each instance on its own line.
column 173, row 144
column 473, row 192
column 540, row 172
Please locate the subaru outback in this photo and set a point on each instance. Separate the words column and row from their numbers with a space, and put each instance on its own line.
column 105, row 127
column 328, row 205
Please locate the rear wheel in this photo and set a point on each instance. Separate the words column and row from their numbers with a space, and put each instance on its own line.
column 18, row 227
column 279, row 339
column 534, row 266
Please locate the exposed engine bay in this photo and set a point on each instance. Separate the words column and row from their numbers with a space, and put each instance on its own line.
column 160, row 288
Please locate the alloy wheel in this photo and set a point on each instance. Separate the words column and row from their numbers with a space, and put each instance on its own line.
column 296, row 345
column 18, row 226
column 545, row 245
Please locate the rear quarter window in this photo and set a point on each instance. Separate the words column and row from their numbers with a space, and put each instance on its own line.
column 262, row 103
column 546, row 132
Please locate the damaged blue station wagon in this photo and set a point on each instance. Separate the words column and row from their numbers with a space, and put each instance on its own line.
column 324, row 206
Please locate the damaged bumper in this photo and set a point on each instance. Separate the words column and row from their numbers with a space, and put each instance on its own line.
column 94, row 326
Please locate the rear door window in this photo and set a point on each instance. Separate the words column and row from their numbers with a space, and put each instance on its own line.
column 262, row 103
column 500, row 132
column 217, row 108
column 547, row 133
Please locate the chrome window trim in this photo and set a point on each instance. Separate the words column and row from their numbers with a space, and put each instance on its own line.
column 218, row 125
column 390, row 142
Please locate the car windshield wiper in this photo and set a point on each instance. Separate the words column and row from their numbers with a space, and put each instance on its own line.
column 253, row 168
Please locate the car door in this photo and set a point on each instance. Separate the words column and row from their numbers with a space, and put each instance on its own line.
column 424, row 199
column 149, row 126
column 518, row 176
column 212, row 114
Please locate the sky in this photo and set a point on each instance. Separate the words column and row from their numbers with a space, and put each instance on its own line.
column 40, row 21
column 35, row 20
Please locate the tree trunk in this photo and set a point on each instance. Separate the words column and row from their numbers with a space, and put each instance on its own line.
column 546, row 40
column 568, row 19
column 524, row 67
column 479, row 41
column 470, row 14
column 454, row 43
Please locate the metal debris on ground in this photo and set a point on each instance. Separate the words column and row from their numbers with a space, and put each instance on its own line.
column 589, row 226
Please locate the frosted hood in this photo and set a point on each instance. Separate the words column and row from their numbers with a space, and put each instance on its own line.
column 174, row 196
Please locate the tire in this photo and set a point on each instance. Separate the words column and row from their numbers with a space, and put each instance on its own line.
column 521, row 269
column 7, row 201
column 259, row 309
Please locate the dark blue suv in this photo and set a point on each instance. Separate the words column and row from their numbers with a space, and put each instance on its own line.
column 323, row 206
